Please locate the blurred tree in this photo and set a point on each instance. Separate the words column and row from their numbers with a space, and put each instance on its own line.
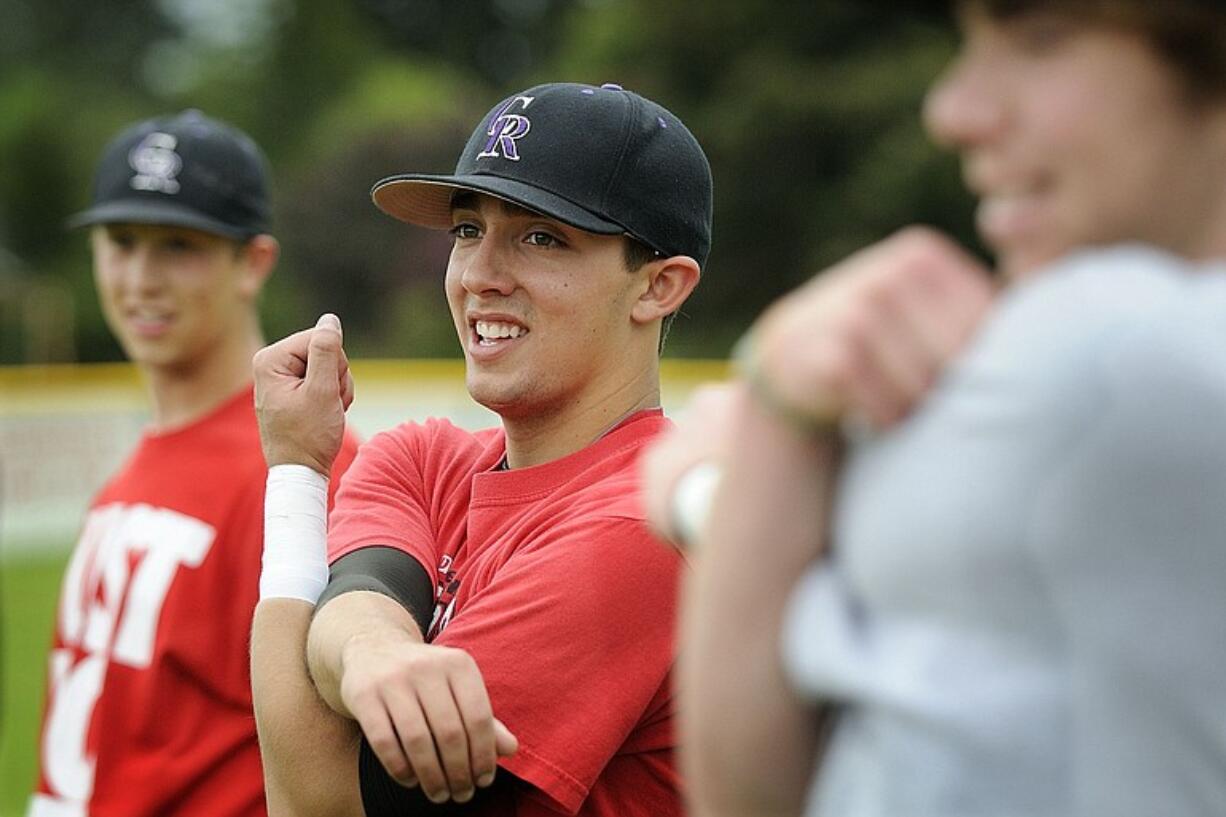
column 500, row 40
column 399, row 116
column 809, row 112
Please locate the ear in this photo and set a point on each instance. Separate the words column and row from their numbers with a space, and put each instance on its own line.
column 258, row 258
column 669, row 282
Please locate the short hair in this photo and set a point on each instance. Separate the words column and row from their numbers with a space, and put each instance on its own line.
column 636, row 254
column 1189, row 35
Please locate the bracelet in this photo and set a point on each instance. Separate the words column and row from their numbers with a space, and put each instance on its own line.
column 295, row 560
column 747, row 365
column 690, row 504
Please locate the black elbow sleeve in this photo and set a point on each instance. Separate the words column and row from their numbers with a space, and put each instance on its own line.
column 385, row 570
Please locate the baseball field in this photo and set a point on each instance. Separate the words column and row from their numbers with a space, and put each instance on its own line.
column 28, row 589
column 63, row 429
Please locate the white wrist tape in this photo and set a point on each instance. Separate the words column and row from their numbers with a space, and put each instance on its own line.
column 295, row 564
column 691, row 501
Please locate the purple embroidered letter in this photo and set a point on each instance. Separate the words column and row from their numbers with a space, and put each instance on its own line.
column 505, row 129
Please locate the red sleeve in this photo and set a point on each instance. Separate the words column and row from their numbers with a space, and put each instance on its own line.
column 382, row 500
column 574, row 639
column 404, row 485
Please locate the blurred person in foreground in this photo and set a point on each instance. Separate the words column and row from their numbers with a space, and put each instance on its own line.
column 1005, row 596
column 500, row 620
column 149, row 706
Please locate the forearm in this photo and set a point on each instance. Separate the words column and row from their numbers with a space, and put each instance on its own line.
column 370, row 663
column 348, row 618
column 752, row 741
column 309, row 752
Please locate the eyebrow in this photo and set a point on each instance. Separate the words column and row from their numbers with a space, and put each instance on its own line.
column 471, row 200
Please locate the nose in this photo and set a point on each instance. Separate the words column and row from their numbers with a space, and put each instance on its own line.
column 966, row 107
column 142, row 271
column 485, row 270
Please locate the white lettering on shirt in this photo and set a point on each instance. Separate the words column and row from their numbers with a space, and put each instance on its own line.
column 110, row 604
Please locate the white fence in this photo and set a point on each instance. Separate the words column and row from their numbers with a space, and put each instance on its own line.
column 65, row 429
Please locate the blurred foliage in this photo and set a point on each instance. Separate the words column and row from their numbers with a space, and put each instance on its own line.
column 809, row 112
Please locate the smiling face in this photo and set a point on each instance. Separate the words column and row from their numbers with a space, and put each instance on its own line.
column 175, row 298
column 543, row 310
column 1076, row 133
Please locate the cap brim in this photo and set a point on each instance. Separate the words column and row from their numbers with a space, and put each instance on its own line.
column 162, row 213
column 426, row 200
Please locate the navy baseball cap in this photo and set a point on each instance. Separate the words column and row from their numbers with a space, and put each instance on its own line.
column 185, row 170
column 602, row 159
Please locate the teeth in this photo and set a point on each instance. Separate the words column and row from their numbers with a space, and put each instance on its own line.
column 494, row 330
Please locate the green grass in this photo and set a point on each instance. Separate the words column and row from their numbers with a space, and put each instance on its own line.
column 29, row 588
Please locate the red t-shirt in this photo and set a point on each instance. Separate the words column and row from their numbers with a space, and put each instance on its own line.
column 149, row 695
column 550, row 579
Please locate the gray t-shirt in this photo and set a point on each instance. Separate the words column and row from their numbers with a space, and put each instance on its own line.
column 1025, row 610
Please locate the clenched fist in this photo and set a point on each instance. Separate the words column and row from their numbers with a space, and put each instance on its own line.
column 869, row 336
column 302, row 388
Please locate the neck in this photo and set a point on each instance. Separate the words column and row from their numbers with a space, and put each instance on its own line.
column 180, row 395
column 541, row 437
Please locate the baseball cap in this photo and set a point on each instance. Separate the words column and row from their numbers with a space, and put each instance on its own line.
column 602, row 159
column 185, row 170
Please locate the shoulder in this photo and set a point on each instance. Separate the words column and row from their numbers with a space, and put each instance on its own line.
column 1113, row 292
column 1140, row 308
column 1091, row 293
column 1089, row 311
column 431, row 452
column 433, row 430
column 1080, row 339
column 1128, row 333
column 434, row 436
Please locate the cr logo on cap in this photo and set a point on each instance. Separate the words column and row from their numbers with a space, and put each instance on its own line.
column 156, row 163
column 506, row 129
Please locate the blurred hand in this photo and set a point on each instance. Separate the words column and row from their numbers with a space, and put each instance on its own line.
column 699, row 436
column 425, row 712
column 302, row 388
column 869, row 336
